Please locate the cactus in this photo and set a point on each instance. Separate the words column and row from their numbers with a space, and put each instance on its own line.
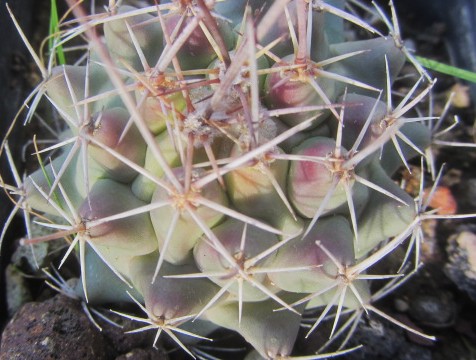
column 229, row 164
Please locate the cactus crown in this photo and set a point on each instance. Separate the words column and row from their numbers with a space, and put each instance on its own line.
column 229, row 163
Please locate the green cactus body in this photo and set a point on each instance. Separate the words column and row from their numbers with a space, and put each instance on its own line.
column 119, row 240
column 255, row 191
column 336, row 235
column 231, row 161
column 290, row 88
column 142, row 186
column 385, row 216
column 146, row 29
column 231, row 234
column 311, row 181
column 272, row 335
column 186, row 232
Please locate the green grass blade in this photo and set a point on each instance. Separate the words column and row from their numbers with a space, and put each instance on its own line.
column 54, row 31
column 447, row 69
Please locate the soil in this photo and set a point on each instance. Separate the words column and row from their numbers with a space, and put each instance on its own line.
column 439, row 300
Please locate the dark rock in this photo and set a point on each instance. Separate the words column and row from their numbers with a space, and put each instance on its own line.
column 380, row 340
column 413, row 352
column 55, row 329
column 383, row 340
column 121, row 341
column 468, row 191
column 433, row 311
column 144, row 354
column 413, row 337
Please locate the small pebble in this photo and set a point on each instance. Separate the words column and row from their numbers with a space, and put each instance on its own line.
column 461, row 265
column 401, row 305
column 17, row 290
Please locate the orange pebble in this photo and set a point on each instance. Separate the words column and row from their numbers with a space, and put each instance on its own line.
column 442, row 200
